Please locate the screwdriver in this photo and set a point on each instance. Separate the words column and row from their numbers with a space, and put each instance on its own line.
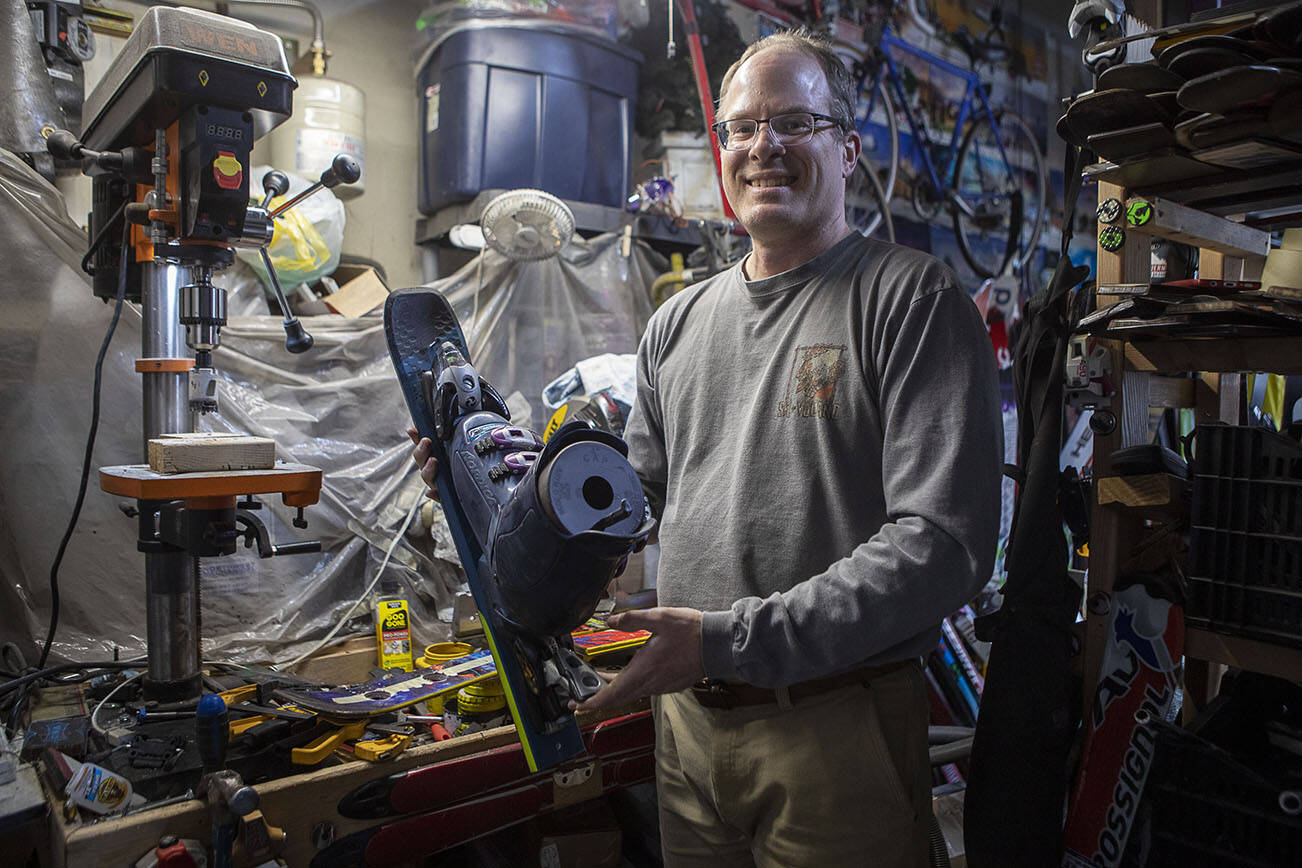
column 212, row 731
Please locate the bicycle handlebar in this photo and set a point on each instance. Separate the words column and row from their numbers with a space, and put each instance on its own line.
column 920, row 19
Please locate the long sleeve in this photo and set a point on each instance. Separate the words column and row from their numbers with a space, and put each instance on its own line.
column 644, row 432
column 941, row 461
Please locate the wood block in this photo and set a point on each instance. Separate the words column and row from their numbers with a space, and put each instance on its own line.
column 188, row 453
column 348, row 663
column 1191, row 226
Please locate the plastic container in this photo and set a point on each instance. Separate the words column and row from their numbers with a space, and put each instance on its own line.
column 392, row 629
column 510, row 103
column 1246, row 563
column 329, row 118
column 1210, row 810
column 97, row 789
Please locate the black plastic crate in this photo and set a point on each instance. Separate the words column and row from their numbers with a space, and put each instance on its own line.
column 1207, row 809
column 1246, row 561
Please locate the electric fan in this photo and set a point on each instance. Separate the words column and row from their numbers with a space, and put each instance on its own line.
column 525, row 225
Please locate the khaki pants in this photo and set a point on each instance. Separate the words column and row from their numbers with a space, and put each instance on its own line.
column 838, row 779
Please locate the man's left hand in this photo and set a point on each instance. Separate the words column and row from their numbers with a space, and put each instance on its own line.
column 669, row 661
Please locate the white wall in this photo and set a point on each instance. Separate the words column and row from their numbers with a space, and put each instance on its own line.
column 372, row 45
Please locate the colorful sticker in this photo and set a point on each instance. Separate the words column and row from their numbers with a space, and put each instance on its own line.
column 1139, row 212
column 1109, row 210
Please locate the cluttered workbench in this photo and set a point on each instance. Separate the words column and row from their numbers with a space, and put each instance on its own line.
column 343, row 802
column 371, row 756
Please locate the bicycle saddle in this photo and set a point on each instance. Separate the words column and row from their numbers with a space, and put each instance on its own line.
column 982, row 50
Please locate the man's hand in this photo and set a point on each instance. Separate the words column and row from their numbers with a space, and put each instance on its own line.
column 669, row 661
column 429, row 467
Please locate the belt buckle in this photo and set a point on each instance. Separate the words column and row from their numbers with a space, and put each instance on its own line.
column 714, row 694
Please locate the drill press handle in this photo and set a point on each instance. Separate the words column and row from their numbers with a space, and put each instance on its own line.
column 297, row 340
column 274, row 183
column 343, row 170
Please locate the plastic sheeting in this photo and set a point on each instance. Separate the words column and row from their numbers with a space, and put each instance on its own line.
column 529, row 322
column 336, row 407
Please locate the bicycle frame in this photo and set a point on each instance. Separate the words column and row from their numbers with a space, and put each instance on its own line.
column 923, row 142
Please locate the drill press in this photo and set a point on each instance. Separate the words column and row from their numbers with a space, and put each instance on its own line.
column 168, row 144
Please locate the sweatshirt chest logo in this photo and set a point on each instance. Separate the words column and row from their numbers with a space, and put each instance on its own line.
column 811, row 387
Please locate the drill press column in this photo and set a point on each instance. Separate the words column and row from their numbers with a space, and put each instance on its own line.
column 166, row 393
column 171, row 578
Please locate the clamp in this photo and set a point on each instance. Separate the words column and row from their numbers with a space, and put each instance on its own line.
column 379, row 749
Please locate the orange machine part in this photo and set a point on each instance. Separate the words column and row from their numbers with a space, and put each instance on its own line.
column 164, row 366
column 297, row 484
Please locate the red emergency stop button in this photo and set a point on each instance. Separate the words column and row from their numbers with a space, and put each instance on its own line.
column 228, row 171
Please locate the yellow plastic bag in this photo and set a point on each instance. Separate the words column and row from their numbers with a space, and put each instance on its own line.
column 308, row 237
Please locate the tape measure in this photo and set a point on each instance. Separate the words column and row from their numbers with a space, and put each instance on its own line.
column 477, row 706
column 481, row 697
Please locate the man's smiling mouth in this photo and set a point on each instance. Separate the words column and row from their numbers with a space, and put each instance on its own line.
column 784, row 181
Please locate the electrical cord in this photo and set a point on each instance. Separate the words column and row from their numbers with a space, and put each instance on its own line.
column 94, row 715
column 99, row 239
column 12, row 655
column 88, row 670
column 393, row 543
column 90, row 446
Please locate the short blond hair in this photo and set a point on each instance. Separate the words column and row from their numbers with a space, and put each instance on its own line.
column 844, row 88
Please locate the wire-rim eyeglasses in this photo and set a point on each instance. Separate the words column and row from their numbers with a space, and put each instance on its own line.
column 788, row 128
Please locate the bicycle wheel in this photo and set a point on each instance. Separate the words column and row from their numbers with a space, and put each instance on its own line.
column 880, row 132
column 999, row 207
column 866, row 209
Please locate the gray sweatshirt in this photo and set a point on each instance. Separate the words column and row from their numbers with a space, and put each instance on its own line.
column 823, row 448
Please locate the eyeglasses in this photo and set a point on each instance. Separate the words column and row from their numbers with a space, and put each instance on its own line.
column 796, row 128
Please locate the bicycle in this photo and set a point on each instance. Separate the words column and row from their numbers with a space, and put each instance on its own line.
column 995, row 188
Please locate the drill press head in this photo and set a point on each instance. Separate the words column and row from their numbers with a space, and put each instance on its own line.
column 196, row 89
column 179, row 58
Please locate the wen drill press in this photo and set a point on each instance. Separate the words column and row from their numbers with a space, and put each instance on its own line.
column 168, row 144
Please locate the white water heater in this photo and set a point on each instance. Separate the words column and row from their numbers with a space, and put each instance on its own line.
column 329, row 118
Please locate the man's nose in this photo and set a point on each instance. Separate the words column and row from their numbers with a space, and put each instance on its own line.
column 766, row 141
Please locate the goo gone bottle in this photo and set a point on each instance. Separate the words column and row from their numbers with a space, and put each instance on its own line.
column 392, row 629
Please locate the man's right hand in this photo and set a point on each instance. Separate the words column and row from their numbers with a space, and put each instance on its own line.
column 429, row 466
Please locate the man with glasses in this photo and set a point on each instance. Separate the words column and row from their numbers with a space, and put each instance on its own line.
column 818, row 429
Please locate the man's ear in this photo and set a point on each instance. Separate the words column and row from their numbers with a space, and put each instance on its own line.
column 850, row 153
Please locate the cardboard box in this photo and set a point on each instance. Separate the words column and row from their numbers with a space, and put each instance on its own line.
column 583, row 835
column 690, row 161
column 599, row 849
column 948, row 809
column 360, row 291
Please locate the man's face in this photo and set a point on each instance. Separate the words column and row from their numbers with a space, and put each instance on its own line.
column 786, row 194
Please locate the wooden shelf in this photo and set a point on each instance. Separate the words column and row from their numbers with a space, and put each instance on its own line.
column 1241, row 653
column 1275, row 355
column 1177, row 222
column 1236, row 191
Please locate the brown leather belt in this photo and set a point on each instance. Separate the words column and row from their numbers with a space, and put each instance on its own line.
column 723, row 694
